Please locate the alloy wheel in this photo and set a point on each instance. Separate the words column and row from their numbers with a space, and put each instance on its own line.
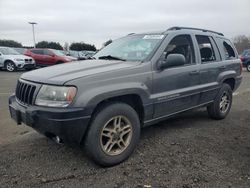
column 224, row 102
column 116, row 135
column 10, row 67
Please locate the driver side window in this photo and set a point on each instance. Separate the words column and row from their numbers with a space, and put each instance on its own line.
column 181, row 44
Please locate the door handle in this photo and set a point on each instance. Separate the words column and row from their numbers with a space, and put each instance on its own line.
column 194, row 72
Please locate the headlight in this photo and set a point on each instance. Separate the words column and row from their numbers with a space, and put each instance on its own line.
column 55, row 96
column 19, row 59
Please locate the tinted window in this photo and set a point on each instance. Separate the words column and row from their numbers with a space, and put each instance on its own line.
column 206, row 48
column 181, row 44
column 47, row 52
column 39, row 52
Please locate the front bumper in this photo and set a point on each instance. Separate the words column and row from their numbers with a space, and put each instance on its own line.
column 25, row 65
column 69, row 124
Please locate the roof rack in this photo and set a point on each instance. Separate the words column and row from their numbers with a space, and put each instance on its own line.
column 191, row 28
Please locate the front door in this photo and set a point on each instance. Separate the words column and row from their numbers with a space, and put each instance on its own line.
column 177, row 88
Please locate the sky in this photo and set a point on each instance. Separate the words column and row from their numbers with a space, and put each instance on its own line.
column 96, row 21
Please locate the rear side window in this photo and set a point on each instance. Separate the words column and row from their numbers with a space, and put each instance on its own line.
column 39, row 52
column 47, row 52
column 206, row 49
column 228, row 50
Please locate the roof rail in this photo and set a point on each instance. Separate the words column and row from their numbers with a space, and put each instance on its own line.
column 191, row 28
column 130, row 34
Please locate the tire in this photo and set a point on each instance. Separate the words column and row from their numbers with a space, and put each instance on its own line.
column 222, row 103
column 248, row 67
column 10, row 66
column 103, row 143
column 29, row 69
column 59, row 62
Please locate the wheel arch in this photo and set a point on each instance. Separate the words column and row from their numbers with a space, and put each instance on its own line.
column 8, row 60
column 132, row 99
column 230, row 82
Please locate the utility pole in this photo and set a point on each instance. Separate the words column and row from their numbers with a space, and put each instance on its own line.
column 33, row 30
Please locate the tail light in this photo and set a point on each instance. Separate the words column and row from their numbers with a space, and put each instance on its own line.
column 242, row 58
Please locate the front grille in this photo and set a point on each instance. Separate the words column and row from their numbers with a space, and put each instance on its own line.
column 28, row 60
column 25, row 92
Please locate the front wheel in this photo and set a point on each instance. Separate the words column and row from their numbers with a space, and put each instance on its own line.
column 113, row 134
column 10, row 66
column 222, row 103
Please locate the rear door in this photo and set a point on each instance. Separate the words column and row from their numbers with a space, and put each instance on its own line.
column 37, row 55
column 211, row 67
column 49, row 57
column 175, row 88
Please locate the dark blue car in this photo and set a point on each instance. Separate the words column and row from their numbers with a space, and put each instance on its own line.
column 245, row 58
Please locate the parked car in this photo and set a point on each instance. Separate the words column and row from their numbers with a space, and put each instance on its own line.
column 134, row 82
column 46, row 57
column 11, row 60
column 88, row 54
column 245, row 58
column 77, row 54
column 20, row 50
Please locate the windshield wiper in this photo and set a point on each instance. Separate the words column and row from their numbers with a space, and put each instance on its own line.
column 111, row 58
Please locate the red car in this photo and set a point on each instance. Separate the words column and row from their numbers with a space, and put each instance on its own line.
column 46, row 57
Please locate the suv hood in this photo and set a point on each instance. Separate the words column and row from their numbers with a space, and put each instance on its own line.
column 59, row 74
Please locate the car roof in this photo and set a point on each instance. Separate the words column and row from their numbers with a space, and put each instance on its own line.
column 181, row 30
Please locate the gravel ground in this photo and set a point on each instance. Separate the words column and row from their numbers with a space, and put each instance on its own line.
column 189, row 150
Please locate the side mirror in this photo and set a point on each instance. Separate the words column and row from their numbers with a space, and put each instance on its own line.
column 173, row 60
column 52, row 55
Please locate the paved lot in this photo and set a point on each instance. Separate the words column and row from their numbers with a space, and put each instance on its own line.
column 190, row 150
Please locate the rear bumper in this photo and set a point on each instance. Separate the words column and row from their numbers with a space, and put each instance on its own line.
column 69, row 124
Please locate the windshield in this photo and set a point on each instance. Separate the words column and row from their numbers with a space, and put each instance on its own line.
column 246, row 52
column 58, row 53
column 131, row 48
column 8, row 51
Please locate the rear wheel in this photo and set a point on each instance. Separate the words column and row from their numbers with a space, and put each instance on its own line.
column 113, row 134
column 248, row 67
column 222, row 103
column 10, row 66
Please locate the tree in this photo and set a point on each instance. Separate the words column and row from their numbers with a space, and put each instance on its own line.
column 80, row 46
column 52, row 45
column 241, row 43
column 107, row 42
column 10, row 43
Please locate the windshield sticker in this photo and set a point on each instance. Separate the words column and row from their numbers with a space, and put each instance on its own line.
column 153, row 37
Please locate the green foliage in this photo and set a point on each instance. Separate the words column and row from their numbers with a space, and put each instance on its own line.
column 10, row 43
column 80, row 46
column 52, row 45
column 241, row 43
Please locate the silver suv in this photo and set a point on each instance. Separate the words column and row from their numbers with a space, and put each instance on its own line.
column 11, row 60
